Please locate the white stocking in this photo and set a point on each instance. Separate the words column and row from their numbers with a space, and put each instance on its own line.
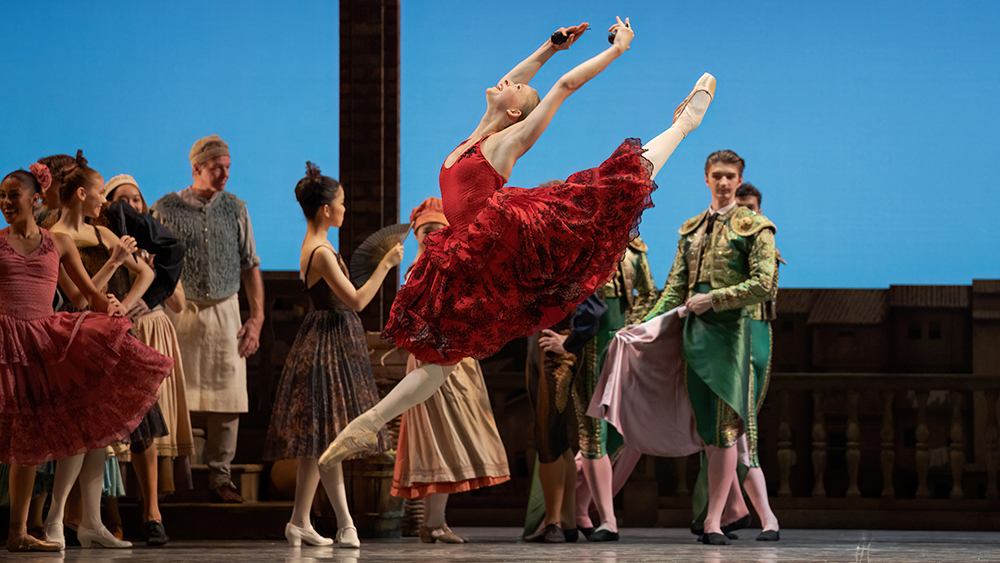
column 91, row 484
column 67, row 471
column 306, row 481
column 333, row 482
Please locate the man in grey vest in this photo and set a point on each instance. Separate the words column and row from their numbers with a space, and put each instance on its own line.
column 215, row 228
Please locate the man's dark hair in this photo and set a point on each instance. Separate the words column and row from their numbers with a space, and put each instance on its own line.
column 747, row 189
column 724, row 157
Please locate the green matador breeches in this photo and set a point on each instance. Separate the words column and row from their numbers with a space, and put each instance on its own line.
column 720, row 383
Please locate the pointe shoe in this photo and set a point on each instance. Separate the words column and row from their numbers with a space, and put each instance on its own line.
column 29, row 543
column 296, row 535
column 347, row 538
column 101, row 537
column 359, row 436
column 688, row 116
column 54, row 533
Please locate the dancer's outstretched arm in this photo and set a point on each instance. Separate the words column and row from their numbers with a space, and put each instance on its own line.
column 518, row 138
column 526, row 69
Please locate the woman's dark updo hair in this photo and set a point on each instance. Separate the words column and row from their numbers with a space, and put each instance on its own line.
column 71, row 175
column 315, row 191
column 26, row 179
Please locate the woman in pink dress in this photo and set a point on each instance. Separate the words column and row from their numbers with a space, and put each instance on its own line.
column 515, row 260
column 69, row 382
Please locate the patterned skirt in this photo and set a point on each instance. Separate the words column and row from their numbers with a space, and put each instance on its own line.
column 327, row 381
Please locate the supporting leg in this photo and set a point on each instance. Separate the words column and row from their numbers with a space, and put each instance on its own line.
column 146, row 468
column 553, row 478
column 721, row 472
column 598, row 475
column 567, row 511
column 306, row 481
column 22, row 480
column 434, row 507
column 67, row 472
column 220, row 449
column 333, row 482
column 91, row 485
column 757, row 491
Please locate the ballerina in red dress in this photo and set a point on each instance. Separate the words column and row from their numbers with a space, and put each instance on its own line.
column 515, row 260
column 69, row 382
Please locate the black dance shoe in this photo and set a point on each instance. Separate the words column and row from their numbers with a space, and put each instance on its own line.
column 155, row 534
column 549, row 534
column 602, row 534
column 737, row 525
column 768, row 535
column 715, row 539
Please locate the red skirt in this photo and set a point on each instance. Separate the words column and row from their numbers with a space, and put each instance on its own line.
column 529, row 257
column 71, row 383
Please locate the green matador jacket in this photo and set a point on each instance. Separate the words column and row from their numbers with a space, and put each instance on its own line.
column 738, row 260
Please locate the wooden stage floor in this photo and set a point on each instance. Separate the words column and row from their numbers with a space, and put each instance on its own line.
column 637, row 544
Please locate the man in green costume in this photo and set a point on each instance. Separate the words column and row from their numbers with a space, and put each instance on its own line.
column 750, row 479
column 725, row 263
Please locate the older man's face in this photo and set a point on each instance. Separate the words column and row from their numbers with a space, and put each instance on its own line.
column 212, row 174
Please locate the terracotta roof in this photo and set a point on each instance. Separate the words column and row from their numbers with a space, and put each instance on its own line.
column 951, row 296
column 985, row 286
column 850, row 307
column 796, row 301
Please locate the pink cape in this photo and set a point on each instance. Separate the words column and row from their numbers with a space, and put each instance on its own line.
column 642, row 392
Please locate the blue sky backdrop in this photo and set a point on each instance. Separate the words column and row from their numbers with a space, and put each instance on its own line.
column 870, row 127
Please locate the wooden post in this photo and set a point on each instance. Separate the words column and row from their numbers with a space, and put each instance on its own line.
column 922, row 454
column 957, row 446
column 888, row 435
column 819, row 446
column 853, row 453
column 786, row 455
column 369, row 132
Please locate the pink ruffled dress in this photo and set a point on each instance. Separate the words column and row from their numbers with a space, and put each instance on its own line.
column 69, row 382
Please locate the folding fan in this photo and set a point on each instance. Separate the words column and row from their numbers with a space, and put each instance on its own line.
column 370, row 252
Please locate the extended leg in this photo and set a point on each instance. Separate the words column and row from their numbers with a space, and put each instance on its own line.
column 418, row 386
column 686, row 119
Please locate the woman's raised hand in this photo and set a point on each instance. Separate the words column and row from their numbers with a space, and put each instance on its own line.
column 125, row 247
column 572, row 34
column 394, row 256
column 623, row 33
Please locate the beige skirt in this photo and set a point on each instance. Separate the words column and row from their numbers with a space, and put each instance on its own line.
column 450, row 443
column 155, row 330
column 215, row 374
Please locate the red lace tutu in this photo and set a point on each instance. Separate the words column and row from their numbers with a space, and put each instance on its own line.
column 69, row 382
column 516, row 260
